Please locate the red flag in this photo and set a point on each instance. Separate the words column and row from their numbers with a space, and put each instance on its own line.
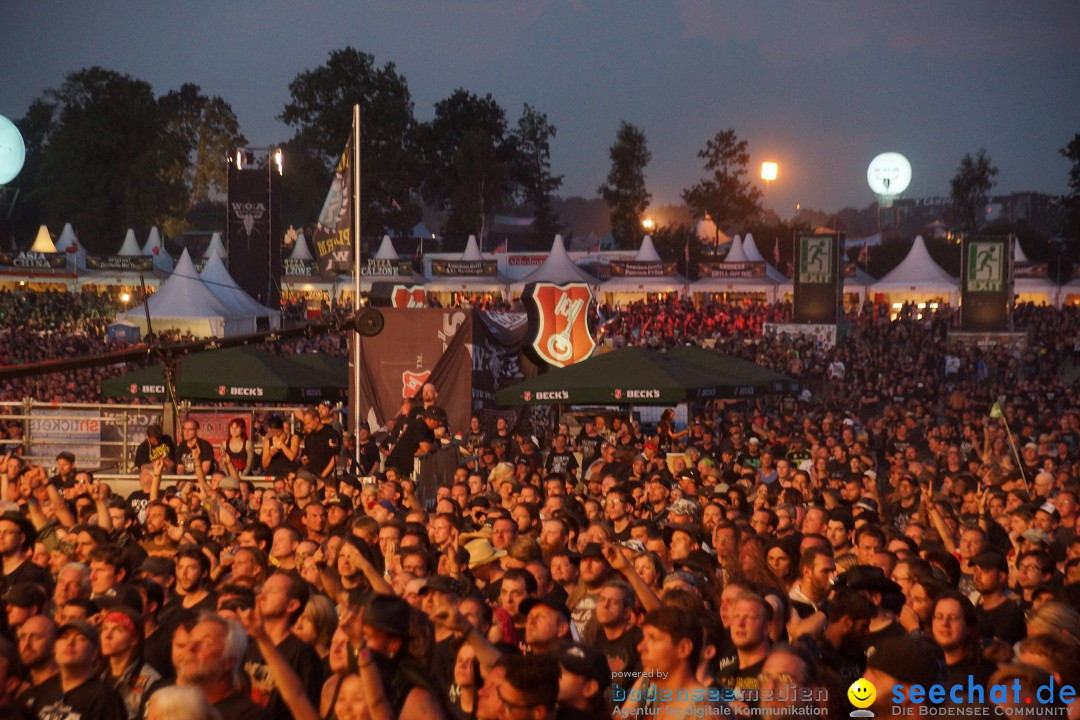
column 864, row 254
column 776, row 252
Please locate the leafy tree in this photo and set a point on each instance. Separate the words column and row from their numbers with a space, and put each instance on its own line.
column 106, row 155
column 483, row 187
column 532, row 171
column 321, row 112
column 726, row 196
column 1072, row 200
column 672, row 243
column 471, row 188
column 625, row 192
column 969, row 189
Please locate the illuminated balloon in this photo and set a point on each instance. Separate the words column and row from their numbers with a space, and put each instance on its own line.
column 12, row 151
column 889, row 174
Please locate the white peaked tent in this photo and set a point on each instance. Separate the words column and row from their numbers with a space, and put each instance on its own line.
column 184, row 303
column 68, row 244
column 631, row 289
column 216, row 277
column 558, row 268
column 130, row 246
column 300, row 250
column 156, row 249
column 216, row 248
column 750, row 249
column 43, row 241
column 1038, row 290
column 468, row 283
column 386, row 250
column 706, row 233
column 766, row 286
column 472, row 250
column 918, row 279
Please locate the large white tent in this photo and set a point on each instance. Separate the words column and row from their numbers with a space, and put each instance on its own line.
column 215, row 248
column 155, row 248
column 750, row 249
column 68, row 244
column 630, row 288
column 468, row 283
column 216, row 277
column 557, row 268
column 736, row 257
column 186, row 304
column 43, row 242
column 130, row 246
column 918, row 279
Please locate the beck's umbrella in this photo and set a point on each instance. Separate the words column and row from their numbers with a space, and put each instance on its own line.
column 241, row 374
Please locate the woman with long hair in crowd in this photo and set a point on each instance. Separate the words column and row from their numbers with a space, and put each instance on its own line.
column 237, row 447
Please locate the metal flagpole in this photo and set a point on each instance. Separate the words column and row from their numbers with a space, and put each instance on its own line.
column 354, row 400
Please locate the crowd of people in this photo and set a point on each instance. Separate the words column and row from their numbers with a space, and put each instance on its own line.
column 909, row 519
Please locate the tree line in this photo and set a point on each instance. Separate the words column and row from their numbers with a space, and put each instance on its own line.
column 106, row 154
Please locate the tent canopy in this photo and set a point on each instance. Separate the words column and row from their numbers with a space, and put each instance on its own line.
column 130, row 246
column 217, row 279
column 242, row 373
column 43, row 241
column 557, row 268
column 635, row 376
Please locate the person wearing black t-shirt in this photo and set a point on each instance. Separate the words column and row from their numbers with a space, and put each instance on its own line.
column 183, row 455
column 367, row 452
column 156, row 445
column 321, row 445
column 279, row 602
column 750, row 619
column 612, row 633
column 17, row 535
column 418, row 437
column 560, row 459
column 76, row 693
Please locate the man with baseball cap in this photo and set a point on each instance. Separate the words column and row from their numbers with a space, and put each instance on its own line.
column 584, row 678
column 418, row 438
column 76, row 693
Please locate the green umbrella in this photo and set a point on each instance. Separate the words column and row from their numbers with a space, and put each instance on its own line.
column 737, row 377
column 633, row 376
column 242, row 373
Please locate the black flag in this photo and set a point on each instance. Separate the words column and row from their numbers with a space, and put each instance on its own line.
column 333, row 233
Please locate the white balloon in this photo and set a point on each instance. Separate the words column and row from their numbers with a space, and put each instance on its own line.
column 889, row 174
column 12, row 151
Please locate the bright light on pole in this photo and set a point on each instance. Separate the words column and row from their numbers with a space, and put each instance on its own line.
column 768, row 171
column 647, row 223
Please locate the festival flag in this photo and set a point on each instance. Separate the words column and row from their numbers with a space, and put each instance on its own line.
column 864, row 254
column 332, row 239
column 776, row 252
column 995, row 411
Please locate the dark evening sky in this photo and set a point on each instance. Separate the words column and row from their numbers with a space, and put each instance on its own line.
column 819, row 87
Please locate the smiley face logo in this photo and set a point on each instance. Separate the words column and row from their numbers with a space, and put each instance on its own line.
column 862, row 693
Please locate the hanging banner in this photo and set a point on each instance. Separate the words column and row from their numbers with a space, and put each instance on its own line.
column 332, row 239
column 1031, row 270
column 386, row 268
column 717, row 269
column 298, row 267
column 623, row 268
column 819, row 278
column 986, row 283
column 77, row 431
column 120, row 263
column 458, row 268
column 416, row 347
column 254, row 227
column 559, row 322
column 34, row 260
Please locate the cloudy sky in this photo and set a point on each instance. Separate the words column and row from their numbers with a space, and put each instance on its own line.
column 819, row 87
